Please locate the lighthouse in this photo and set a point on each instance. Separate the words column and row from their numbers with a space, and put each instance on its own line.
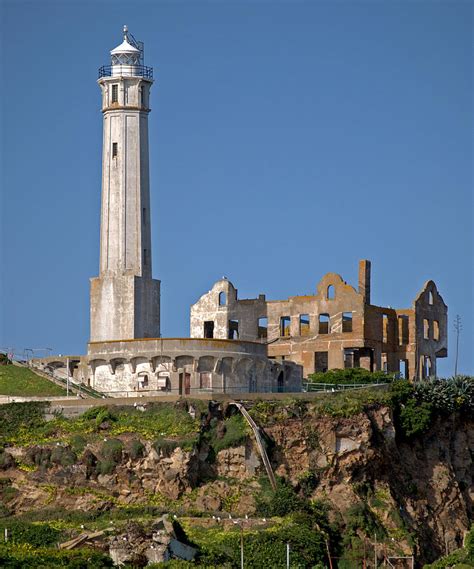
column 124, row 298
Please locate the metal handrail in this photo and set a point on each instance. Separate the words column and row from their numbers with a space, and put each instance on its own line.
column 126, row 70
column 332, row 387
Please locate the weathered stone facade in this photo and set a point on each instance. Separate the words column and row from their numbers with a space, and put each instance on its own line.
column 178, row 366
column 335, row 328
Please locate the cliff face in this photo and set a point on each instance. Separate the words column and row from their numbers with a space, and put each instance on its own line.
column 420, row 491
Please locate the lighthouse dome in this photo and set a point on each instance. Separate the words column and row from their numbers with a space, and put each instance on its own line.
column 126, row 53
column 125, row 47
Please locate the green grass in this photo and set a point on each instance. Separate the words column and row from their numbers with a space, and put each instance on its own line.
column 22, row 382
column 23, row 424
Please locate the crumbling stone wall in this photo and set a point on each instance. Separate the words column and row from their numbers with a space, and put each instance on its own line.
column 335, row 328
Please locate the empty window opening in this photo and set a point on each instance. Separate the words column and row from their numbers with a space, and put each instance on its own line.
column 384, row 328
column 304, row 324
column 115, row 93
column 321, row 361
column 145, row 257
column 263, row 327
column 205, row 380
column 142, row 381
column 331, row 293
column 426, row 366
column 144, row 215
column 209, row 329
column 347, row 321
column 403, row 330
column 114, row 149
column 348, row 358
column 285, row 326
column 233, row 329
column 324, row 323
column 163, row 382
column 403, row 369
column 435, row 330
column 281, row 382
column 426, row 329
column 384, row 363
column 141, row 96
column 430, row 297
column 222, row 299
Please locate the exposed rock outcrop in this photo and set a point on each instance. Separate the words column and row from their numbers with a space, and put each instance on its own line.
column 420, row 490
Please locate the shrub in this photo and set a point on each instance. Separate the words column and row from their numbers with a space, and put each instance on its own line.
column 7, row 492
column 281, row 502
column 78, row 443
column 262, row 548
column 415, row 418
column 39, row 456
column 136, row 449
column 308, row 483
column 6, row 460
column 235, row 433
column 37, row 535
column 15, row 417
column 112, row 450
column 350, row 375
column 164, row 447
column 469, row 543
column 22, row 556
column 360, row 517
column 106, row 467
column 63, row 456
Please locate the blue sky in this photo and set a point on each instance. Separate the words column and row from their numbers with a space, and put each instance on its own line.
column 287, row 140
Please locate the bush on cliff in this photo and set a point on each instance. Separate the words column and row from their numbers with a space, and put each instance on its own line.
column 36, row 535
column 349, row 376
column 417, row 405
column 23, row 556
column 283, row 501
column 264, row 547
column 21, row 417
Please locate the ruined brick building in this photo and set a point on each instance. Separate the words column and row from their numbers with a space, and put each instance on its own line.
column 337, row 327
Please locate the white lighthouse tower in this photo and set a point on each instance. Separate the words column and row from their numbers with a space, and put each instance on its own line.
column 125, row 299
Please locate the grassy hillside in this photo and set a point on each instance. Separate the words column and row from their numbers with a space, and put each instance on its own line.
column 22, row 382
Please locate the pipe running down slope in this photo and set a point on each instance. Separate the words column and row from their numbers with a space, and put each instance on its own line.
column 260, row 445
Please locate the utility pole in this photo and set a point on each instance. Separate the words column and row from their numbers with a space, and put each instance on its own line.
column 241, row 546
column 457, row 328
column 287, row 556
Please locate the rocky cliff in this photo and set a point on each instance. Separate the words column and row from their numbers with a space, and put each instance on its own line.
column 416, row 493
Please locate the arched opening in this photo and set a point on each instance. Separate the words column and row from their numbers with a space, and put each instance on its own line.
column 222, row 299
column 280, row 382
column 142, row 380
column 331, row 292
column 252, row 384
column 430, row 297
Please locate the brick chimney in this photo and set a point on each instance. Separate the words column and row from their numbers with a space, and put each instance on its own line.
column 364, row 280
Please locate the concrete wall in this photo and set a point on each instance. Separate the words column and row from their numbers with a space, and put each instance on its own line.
column 180, row 366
